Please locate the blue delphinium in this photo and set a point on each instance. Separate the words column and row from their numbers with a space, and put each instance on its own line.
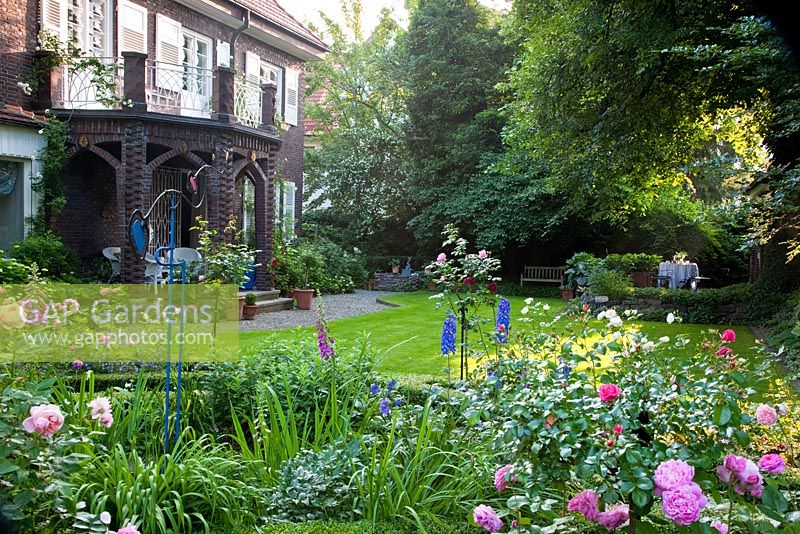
column 503, row 320
column 374, row 389
column 449, row 335
column 384, row 407
column 391, row 385
column 566, row 369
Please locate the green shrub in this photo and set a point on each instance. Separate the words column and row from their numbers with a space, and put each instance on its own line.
column 13, row 272
column 319, row 264
column 613, row 284
column 632, row 263
column 542, row 291
column 579, row 267
column 54, row 259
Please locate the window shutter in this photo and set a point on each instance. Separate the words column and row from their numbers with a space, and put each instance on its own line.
column 290, row 188
column 223, row 54
column 292, row 96
column 252, row 66
column 169, row 53
column 131, row 27
column 54, row 18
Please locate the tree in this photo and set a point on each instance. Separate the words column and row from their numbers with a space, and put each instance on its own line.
column 451, row 59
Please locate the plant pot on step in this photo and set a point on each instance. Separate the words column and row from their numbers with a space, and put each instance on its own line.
column 241, row 308
column 249, row 312
column 567, row 293
column 304, row 298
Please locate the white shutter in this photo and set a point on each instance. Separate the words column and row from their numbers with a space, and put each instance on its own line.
column 131, row 28
column 290, row 188
column 169, row 53
column 54, row 18
column 292, row 96
column 223, row 54
column 252, row 67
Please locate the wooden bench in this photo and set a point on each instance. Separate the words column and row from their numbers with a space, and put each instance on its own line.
column 535, row 273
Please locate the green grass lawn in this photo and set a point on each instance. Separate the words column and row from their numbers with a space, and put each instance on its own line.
column 409, row 335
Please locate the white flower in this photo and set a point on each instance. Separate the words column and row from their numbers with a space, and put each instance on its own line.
column 546, row 307
column 664, row 339
column 670, row 318
column 615, row 321
column 105, row 518
column 100, row 406
column 41, row 131
column 627, row 313
column 524, row 311
column 781, row 409
column 80, row 505
column 529, row 301
column 616, row 335
column 611, row 312
column 601, row 316
column 649, row 346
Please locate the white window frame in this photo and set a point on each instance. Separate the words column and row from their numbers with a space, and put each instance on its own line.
column 198, row 37
column 285, row 212
column 273, row 73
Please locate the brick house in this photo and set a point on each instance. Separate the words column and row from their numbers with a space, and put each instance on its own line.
column 211, row 82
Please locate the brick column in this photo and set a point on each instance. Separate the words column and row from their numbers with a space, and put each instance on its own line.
column 225, row 95
column 269, row 91
column 265, row 220
column 135, row 68
column 134, row 182
column 49, row 88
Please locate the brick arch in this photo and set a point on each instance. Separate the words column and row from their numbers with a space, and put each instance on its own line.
column 263, row 215
column 103, row 154
column 166, row 156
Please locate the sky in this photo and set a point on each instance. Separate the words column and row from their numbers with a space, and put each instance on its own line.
column 307, row 10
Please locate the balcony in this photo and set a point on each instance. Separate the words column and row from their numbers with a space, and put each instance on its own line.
column 142, row 85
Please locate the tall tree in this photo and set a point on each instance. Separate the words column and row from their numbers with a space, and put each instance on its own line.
column 452, row 58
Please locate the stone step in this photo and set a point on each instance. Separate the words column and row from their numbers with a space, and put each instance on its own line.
column 274, row 305
column 262, row 295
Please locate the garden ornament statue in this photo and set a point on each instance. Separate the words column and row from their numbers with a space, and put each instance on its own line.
column 139, row 234
column 407, row 269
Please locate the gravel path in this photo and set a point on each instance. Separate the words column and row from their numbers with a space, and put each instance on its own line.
column 336, row 307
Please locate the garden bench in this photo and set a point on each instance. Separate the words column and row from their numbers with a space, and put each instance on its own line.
column 535, row 273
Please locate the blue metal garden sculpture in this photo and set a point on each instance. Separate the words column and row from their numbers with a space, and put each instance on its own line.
column 139, row 234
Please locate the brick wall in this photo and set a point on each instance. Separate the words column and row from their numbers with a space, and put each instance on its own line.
column 17, row 43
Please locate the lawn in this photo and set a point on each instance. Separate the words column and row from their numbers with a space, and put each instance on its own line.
column 409, row 334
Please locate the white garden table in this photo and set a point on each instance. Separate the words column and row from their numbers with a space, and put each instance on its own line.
column 678, row 273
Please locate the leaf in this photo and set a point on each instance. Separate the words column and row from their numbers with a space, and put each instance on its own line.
column 774, row 499
column 722, row 414
column 640, row 498
column 6, row 468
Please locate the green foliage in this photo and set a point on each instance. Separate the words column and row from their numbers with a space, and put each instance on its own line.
column 318, row 264
column 630, row 263
column 13, row 272
column 250, row 298
column 48, row 184
column 46, row 250
column 613, row 284
column 579, row 267
column 548, row 291
column 226, row 259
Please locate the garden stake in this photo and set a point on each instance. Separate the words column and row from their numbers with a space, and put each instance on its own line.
column 140, row 241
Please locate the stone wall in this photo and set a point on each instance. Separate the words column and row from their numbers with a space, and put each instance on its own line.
column 396, row 282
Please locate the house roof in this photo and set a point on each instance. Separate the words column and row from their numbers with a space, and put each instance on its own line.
column 272, row 11
column 318, row 97
column 17, row 115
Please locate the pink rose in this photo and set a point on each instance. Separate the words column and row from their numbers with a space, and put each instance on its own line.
column 735, row 463
column 585, row 502
column 671, row 474
column 487, row 518
column 614, row 517
column 728, row 336
column 100, row 406
column 469, row 281
column 724, row 351
column 500, row 480
column 441, row 258
column 482, row 254
column 617, row 429
column 492, row 287
column 772, row 463
column 45, row 420
column 130, row 529
column 721, row 527
column 106, row 420
column 201, row 278
column 766, row 415
column 683, row 504
column 608, row 392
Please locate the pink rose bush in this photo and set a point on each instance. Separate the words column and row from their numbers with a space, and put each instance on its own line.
column 671, row 474
column 502, row 478
column 743, row 474
column 682, row 500
column 772, row 463
column 608, row 392
column 587, row 503
column 486, row 517
column 44, row 419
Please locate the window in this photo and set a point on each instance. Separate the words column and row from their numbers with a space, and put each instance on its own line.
column 196, row 63
column 284, row 209
column 86, row 22
column 270, row 73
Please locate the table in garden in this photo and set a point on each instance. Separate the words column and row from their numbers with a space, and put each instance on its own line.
column 678, row 273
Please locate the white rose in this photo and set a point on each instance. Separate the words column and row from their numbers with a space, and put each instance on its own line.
column 649, row 345
column 616, row 335
column 611, row 312
column 601, row 316
column 670, row 318
column 664, row 339
column 615, row 321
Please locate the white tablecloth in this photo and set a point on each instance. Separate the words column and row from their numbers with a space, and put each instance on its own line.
column 678, row 273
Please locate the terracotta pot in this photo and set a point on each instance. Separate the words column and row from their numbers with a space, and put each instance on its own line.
column 396, row 269
column 287, row 293
column 567, row 294
column 249, row 312
column 642, row 279
column 241, row 308
column 304, row 297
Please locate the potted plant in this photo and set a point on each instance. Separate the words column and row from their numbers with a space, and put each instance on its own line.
column 567, row 293
column 308, row 261
column 645, row 266
column 224, row 262
column 250, row 308
column 579, row 267
column 395, row 265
